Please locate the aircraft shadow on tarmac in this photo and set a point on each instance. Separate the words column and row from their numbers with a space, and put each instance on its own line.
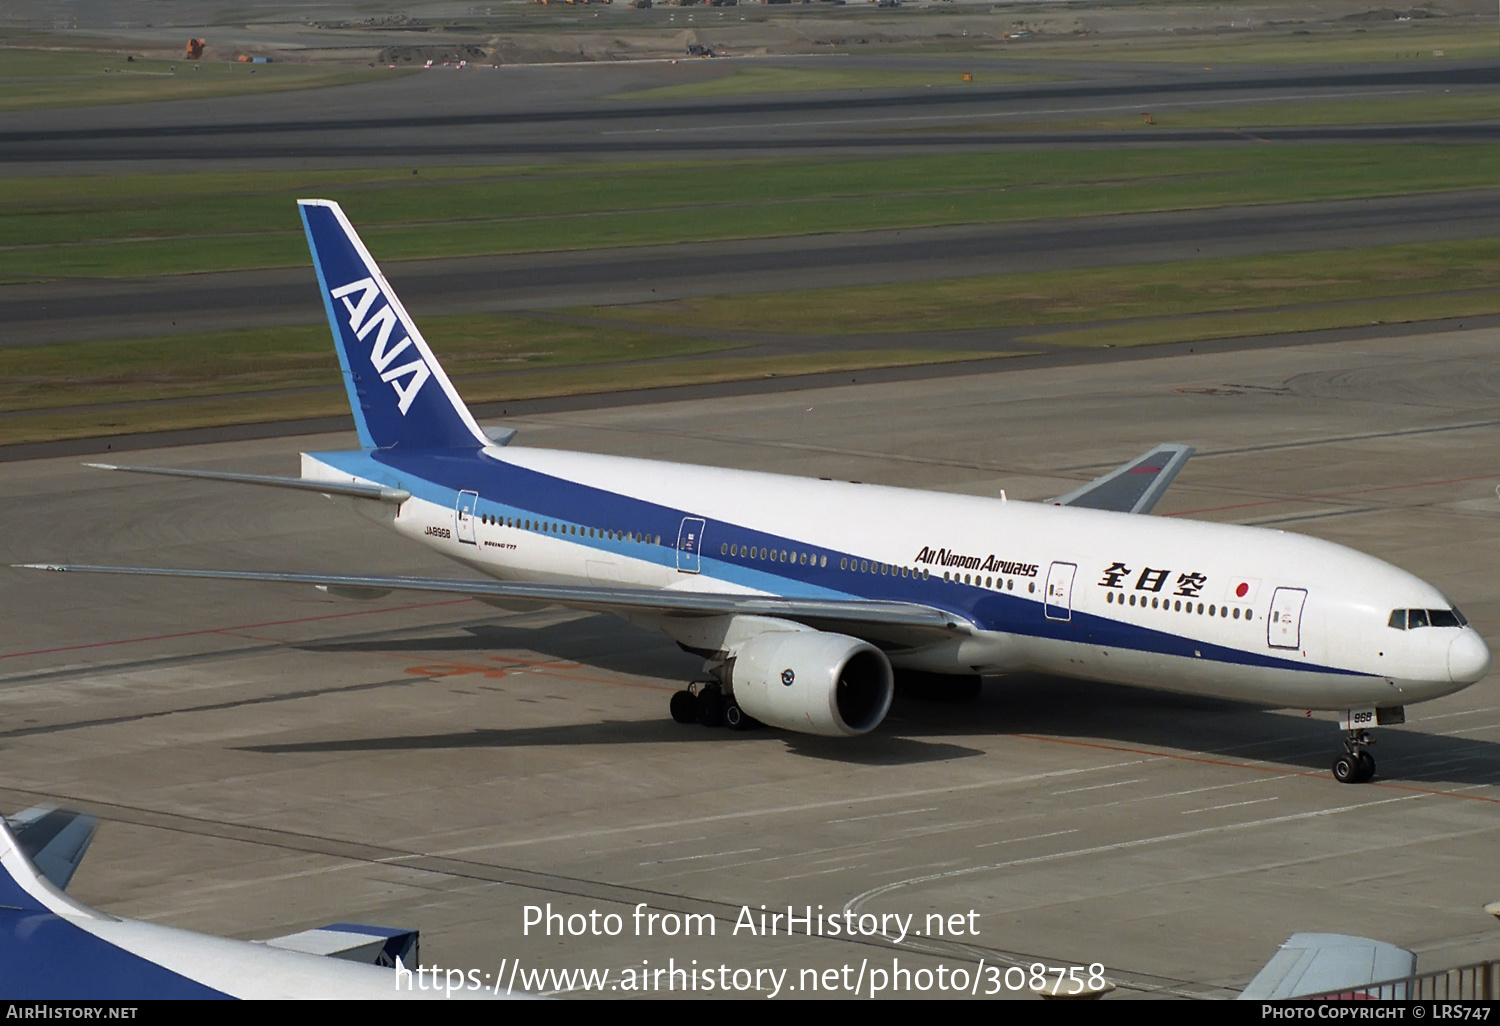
column 872, row 750
column 918, row 731
column 1212, row 730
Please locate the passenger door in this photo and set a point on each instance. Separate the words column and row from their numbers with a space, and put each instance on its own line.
column 689, row 544
column 1059, row 605
column 463, row 517
column 1284, row 626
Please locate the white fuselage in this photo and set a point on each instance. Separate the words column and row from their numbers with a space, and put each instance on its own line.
column 1209, row 609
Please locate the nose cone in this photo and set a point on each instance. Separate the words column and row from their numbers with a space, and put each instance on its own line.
column 1468, row 658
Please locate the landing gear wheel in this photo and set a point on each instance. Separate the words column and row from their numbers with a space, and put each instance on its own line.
column 736, row 718
column 685, row 707
column 711, row 706
column 1356, row 765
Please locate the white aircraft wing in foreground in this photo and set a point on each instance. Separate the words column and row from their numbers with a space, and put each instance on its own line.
column 54, row 948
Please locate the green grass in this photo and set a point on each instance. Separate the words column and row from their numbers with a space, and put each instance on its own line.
column 301, row 357
column 1234, row 285
column 32, row 78
column 742, row 81
column 1369, row 42
column 293, row 384
column 1401, row 310
column 180, row 223
column 1393, row 110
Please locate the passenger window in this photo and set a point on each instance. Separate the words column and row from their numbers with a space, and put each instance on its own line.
column 1416, row 618
column 723, row 548
column 822, row 561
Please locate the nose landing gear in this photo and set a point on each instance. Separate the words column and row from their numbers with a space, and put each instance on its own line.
column 1356, row 765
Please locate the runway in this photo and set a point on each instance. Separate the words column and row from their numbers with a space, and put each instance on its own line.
column 268, row 759
column 536, row 112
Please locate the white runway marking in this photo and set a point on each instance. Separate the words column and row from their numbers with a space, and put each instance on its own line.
column 782, row 810
column 854, row 904
column 1098, row 787
column 1231, row 805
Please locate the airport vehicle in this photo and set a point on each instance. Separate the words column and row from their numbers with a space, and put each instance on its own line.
column 54, row 948
column 805, row 597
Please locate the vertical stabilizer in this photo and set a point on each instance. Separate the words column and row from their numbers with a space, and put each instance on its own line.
column 397, row 391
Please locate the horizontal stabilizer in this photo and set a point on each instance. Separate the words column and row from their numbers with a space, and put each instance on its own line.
column 55, row 840
column 605, row 600
column 354, row 942
column 1133, row 488
column 1317, row 963
column 354, row 489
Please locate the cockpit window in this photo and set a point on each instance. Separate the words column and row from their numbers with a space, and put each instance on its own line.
column 1411, row 619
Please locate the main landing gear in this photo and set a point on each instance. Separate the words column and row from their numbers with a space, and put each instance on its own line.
column 705, row 702
column 1356, row 765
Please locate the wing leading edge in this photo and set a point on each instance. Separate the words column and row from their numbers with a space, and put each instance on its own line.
column 1134, row 487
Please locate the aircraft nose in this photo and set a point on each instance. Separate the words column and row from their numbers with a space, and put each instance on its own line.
column 1468, row 657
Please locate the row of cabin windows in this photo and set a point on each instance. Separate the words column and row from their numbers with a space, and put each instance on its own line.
column 772, row 555
column 994, row 583
column 863, row 566
column 1411, row 619
column 552, row 527
column 1178, row 606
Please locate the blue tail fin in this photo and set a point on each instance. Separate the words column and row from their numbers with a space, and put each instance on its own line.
column 397, row 391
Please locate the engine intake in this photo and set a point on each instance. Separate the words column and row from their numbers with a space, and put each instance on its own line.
column 813, row 682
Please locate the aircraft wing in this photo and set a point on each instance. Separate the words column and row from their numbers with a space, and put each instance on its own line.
column 904, row 617
column 55, row 840
column 1321, row 963
column 1134, row 487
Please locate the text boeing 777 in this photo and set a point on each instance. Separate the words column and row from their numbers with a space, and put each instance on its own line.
column 803, row 595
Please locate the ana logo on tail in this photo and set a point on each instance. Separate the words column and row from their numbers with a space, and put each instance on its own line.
column 361, row 322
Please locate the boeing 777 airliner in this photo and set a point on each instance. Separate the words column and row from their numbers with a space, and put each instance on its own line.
column 803, row 596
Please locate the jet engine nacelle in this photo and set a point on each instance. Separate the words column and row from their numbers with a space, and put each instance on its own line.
column 813, row 682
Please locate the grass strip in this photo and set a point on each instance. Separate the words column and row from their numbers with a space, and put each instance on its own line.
column 329, row 400
column 1222, row 285
column 1405, row 310
column 137, row 225
column 1375, row 43
column 32, row 78
column 751, row 81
